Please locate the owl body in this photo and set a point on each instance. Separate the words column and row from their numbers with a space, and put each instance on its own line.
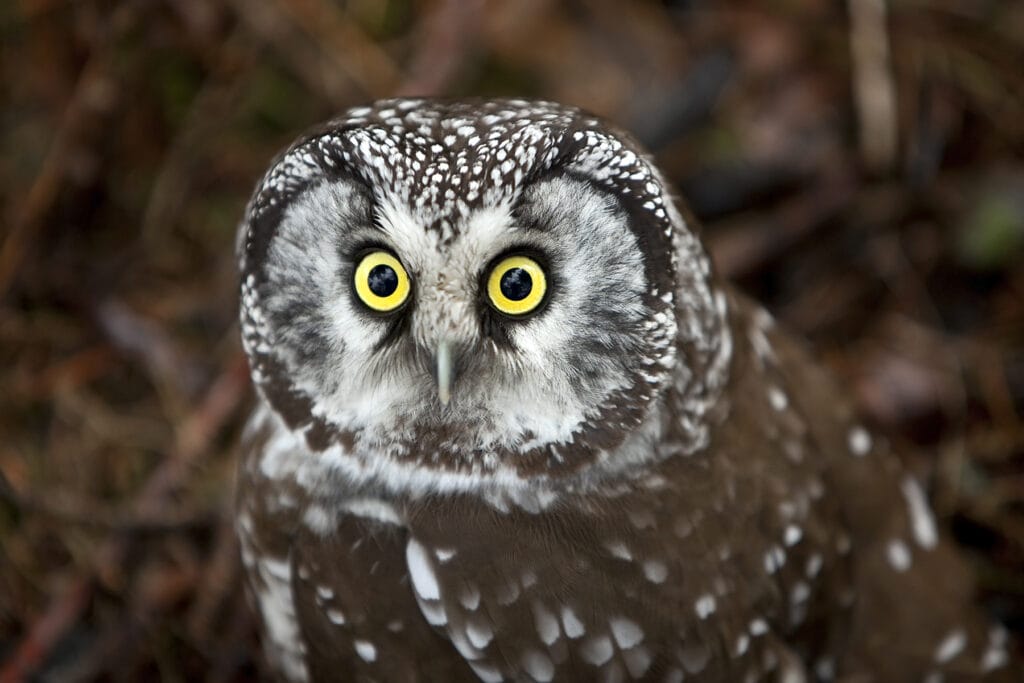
column 512, row 427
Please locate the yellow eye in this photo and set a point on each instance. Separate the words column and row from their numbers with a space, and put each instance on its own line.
column 381, row 282
column 516, row 286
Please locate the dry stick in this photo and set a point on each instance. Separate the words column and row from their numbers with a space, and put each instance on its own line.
column 193, row 439
column 873, row 87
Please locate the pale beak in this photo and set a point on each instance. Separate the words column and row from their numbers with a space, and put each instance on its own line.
column 444, row 371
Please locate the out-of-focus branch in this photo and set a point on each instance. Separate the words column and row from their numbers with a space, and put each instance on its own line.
column 873, row 87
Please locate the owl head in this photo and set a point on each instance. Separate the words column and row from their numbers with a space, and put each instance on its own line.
column 458, row 292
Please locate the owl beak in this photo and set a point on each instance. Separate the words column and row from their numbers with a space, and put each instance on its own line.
column 444, row 371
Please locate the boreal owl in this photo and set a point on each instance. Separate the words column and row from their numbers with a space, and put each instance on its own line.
column 512, row 426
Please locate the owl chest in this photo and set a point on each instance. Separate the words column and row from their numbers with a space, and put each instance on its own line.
column 632, row 589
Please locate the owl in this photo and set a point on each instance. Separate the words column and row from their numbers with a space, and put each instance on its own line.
column 511, row 426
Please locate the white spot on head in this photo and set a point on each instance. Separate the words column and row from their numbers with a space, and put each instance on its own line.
column 921, row 521
column 335, row 616
column 952, row 645
column 792, row 535
column 627, row 632
column 742, row 643
column 898, row 554
column 859, row 441
column 366, row 650
column 422, row 574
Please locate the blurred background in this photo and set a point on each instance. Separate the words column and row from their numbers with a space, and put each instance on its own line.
column 858, row 165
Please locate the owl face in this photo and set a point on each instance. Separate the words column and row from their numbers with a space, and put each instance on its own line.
column 479, row 288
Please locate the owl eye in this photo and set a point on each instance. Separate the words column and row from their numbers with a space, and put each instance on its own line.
column 381, row 282
column 516, row 285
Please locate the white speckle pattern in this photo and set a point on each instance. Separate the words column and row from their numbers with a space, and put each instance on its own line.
column 444, row 554
column 995, row 655
column 655, row 571
column 277, row 607
column 597, row 650
column 538, row 665
column 620, row 550
column 486, row 672
column 774, row 559
column 422, row 574
column 704, row 606
column 366, row 650
column 898, row 554
column 546, row 623
column 335, row 616
column 758, row 627
column 859, row 441
column 638, row 661
column 921, row 521
column 825, row 668
column 479, row 633
column 777, row 398
column 571, row 623
column 627, row 632
column 951, row 646
column 793, row 534
column 469, row 597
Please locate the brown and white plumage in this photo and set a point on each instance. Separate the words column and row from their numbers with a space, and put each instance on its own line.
column 641, row 479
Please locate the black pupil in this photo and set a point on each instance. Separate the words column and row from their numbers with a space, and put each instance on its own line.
column 516, row 284
column 383, row 280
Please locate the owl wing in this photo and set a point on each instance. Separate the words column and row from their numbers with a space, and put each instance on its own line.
column 912, row 607
column 331, row 587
